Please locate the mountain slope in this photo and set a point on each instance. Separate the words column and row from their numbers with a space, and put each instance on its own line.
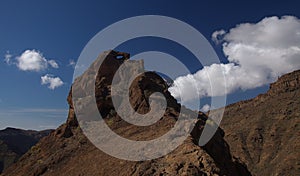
column 264, row 132
column 68, row 152
column 15, row 142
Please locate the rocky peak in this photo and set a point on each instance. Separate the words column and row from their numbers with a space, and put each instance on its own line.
column 140, row 90
column 62, row 152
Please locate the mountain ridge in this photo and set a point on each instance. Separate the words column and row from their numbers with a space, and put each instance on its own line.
column 263, row 132
column 16, row 142
column 68, row 152
column 253, row 132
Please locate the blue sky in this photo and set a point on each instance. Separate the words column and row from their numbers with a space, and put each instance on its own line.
column 59, row 31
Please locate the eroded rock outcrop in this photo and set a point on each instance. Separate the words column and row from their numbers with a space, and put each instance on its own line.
column 68, row 152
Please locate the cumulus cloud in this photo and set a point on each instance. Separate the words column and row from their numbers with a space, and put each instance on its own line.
column 258, row 53
column 53, row 63
column 7, row 58
column 217, row 35
column 32, row 60
column 53, row 82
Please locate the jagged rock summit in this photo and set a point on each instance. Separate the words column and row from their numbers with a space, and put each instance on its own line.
column 67, row 151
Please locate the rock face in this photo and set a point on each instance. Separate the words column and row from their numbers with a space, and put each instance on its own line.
column 68, row 152
column 264, row 132
column 15, row 142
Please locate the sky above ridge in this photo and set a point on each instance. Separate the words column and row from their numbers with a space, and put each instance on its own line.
column 40, row 42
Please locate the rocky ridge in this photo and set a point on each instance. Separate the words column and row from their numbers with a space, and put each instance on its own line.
column 67, row 151
column 264, row 131
column 16, row 142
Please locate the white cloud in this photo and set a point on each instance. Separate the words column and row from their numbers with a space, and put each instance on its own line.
column 32, row 60
column 7, row 58
column 72, row 63
column 257, row 54
column 53, row 82
column 205, row 108
column 217, row 35
column 53, row 63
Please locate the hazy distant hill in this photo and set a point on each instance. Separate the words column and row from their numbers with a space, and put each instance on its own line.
column 15, row 142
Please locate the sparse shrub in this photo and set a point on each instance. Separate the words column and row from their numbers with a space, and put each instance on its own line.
column 35, row 149
column 39, row 161
column 112, row 113
column 110, row 122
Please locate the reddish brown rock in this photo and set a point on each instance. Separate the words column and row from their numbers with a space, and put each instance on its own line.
column 15, row 142
column 264, row 132
column 69, row 152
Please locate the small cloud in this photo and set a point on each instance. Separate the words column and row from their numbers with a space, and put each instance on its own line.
column 53, row 63
column 33, row 60
column 205, row 108
column 72, row 63
column 53, row 82
column 217, row 36
column 7, row 58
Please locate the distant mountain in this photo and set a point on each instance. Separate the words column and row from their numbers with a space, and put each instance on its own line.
column 264, row 132
column 15, row 142
column 68, row 152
